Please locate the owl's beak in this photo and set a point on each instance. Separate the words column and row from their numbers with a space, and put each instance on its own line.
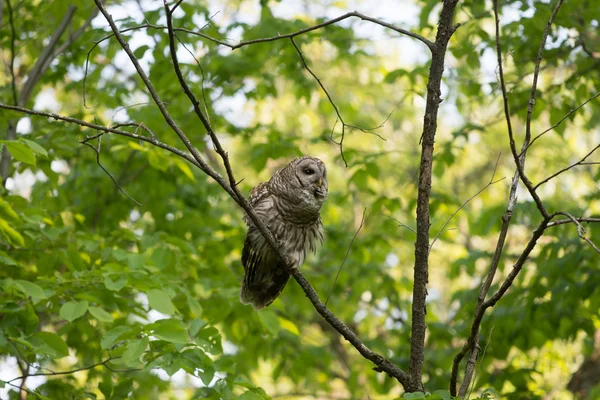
column 320, row 182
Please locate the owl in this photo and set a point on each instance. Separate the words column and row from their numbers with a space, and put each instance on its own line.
column 289, row 205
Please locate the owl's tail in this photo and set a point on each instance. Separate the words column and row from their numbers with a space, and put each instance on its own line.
column 263, row 294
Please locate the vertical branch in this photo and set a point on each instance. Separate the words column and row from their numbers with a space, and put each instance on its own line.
column 421, row 268
column 472, row 343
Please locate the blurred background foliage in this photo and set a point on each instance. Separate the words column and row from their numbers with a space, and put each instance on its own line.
column 87, row 274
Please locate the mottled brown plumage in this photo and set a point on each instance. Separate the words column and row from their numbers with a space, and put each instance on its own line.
column 289, row 204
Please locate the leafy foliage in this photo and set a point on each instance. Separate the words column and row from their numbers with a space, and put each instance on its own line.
column 138, row 297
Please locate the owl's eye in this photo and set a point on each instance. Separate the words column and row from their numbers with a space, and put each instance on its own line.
column 308, row 171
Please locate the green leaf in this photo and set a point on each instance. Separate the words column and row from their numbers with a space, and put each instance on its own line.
column 49, row 343
column 35, row 147
column 289, row 326
column 210, row 340
column 31, row 289
column 112, row 335
column 73, row 310
column 6, row 211
column 140, row 51
column 270, row 321
column 117, row 285
column 100, row 314
column 250, row 395
column 171, row 330
column 6, row 260
column 13, row 237
column 134, row 350
column 20, row 151
column 160, row 301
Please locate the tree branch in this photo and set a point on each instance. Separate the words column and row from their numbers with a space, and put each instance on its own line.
column 43, row 61
column 362, row 222
column 234, row 192
column 580, row 230
column 490, row 183
column 421, row 267
column 363, row 17
column 580, row 162
column 337, row 110
column 561, row 120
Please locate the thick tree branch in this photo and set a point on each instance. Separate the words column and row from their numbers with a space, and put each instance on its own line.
column 421, row 268
column 234, row 192
column 43, row 61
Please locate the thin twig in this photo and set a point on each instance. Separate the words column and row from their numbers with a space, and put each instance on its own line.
column 130, row 135
column 400, row 223
column 362, row 222
column 561, row 120
column 568, row 221
column 337, row 110
column 580, row 162
column 420, row 38
column 97, row 150
column 580, row 230
column 490, row 183
column 69, row 372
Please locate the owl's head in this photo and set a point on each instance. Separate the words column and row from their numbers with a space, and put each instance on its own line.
column 308, row 176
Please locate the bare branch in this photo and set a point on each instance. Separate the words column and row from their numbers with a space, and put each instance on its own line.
column 580, row 162
column 561, row 120
column 490, row 183
column 472, row 342
column 337, row 110
column 420, row 38
column 400, row 223
column 580, row 230
column 97, row 150
column 536, row 72
column 568, row 221
column 520, row 159
column 421, row 266
column 362, row 222
column 151, row 140
column 69, row 372
column 43, row 61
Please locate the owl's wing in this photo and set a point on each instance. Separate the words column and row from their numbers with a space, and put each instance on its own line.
column 252, row 254
column 259, row 193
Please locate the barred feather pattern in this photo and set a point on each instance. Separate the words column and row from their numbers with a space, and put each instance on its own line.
column 289, row 205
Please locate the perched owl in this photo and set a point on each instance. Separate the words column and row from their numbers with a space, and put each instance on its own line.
column 289, row 205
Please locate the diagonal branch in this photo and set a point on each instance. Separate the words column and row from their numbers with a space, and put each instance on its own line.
column 236, row 195
column 152, row 140
column 44, row 60
column 580, row 162
column 362, row 223
column 490, row 183
column 573, row 110
column 97, row 151
column 472, row 344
